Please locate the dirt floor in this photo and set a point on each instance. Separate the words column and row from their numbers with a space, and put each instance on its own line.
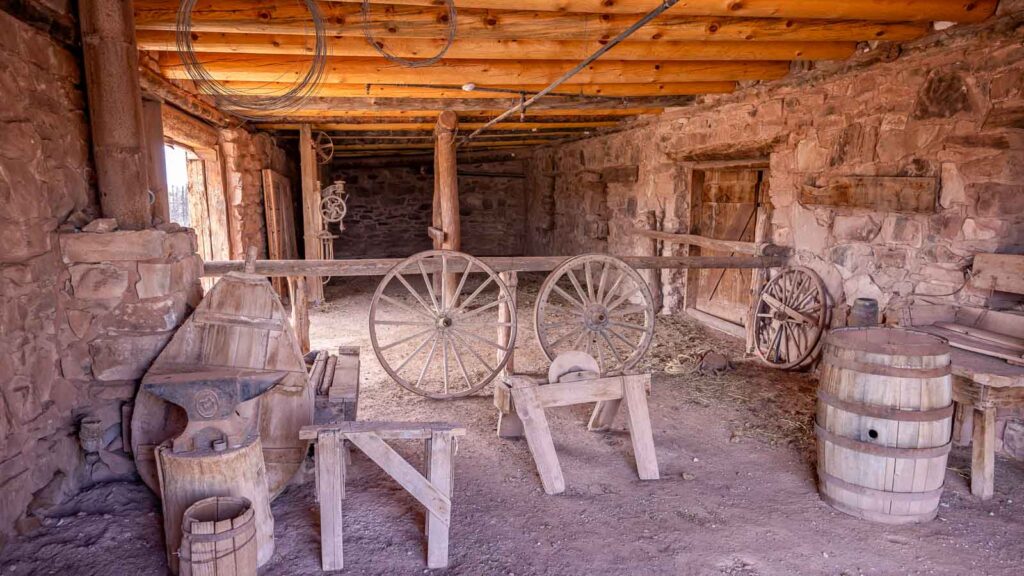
column 737, row 494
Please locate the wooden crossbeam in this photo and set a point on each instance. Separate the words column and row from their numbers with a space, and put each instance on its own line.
column 428, row 126
column 420, row 488
column 951, row 10
column 427, row 114
column 429, row 22
column 331, row 93
column 258, row 67
column 498, row 49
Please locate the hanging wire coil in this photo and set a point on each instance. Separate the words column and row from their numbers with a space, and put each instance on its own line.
column 239, row 101
column 379, row 46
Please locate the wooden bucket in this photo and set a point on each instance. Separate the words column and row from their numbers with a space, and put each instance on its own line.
column 884, row 420
column 219, row 538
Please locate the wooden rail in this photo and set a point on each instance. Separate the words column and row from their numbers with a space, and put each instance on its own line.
column 752, row 248
column 381, row 266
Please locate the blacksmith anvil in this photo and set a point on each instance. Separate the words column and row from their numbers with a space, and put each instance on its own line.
column 210, row 399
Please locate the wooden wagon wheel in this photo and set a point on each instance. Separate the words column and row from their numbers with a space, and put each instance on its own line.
column 324, row 146
column 436, row 334
column 597, row 304
column 791, row 314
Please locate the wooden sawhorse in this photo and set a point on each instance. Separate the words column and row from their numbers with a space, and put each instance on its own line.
column 527, row 400
column 432, row 489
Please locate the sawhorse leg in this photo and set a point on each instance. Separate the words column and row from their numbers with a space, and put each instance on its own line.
column 983, row 453
column 538, row 437
column 330, row 477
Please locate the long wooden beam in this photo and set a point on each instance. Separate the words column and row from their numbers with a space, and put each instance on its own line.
column 328, row 92
column 427, row 126
column 432, row 114
column 258, row 67
column 429, row 145
column 429, row 22
column 498, row 49
column 381, row 266
column 951, row 10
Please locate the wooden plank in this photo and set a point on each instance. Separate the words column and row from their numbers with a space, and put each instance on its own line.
column 188, row 130
column 373, row 445
column 429, row 126
column 983, row 453
column 385, row 430
column 329, row 93
column 293, row 18
column 572, row 393
column 640, row 433
column 1011, row 342
column 951, row 10
column 441, row 477
column 973, row 344
column 1003, row 272
column 330, row 472
column 381, row 266
column 311, row 217
column 322, row 107
column 497, row 49
column 538, row 435
column 882, row 193
column 283, row 68
column 697, row 240
column 717, row 323
column 603, row 415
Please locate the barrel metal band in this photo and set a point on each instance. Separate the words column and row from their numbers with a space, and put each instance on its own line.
column 886, row 412
column 830, row 480
column 831, row 359
column 883, row 451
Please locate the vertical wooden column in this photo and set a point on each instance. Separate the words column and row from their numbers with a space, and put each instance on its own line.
column 115, row 110
column 650, row 222
column 153, row 123
column 446, row 188
column 311, row 219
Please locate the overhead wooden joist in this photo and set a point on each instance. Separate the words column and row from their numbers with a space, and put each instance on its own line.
column 499, row 49
column 951, row 10
column 426, row 113
column 330, row 94
column 429, row 22
column 427, row 126
column 259, row 67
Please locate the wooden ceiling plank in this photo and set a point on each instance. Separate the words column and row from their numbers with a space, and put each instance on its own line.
column 497, row 49
column 428, row 114
column 421, row 22
column 332, row 91
column 421, row 126
column 265, row 68
column 950, row 10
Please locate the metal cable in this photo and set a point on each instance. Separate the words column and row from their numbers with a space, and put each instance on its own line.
column 576, row 69
column 379, row 46
column 239, row 101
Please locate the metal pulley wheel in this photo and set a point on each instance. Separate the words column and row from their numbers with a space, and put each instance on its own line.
column 333, row 208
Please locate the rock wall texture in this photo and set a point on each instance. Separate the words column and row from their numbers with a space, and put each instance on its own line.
column 946, row 107
column 389, row 211
column 246, row 155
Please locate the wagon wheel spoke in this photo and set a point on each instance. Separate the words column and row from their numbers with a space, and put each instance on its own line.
column 472, row 351
column 407, row 338
column 462, row 366
column 615, row 286
column 414, row 353
column 462, row 283
column 403, row 323
column 473, row 296
column 426, row 365
column 479, row 339
column 576, row 284
column 610, row 347
column 429, row 284
column 416, row 295
column 566, row 295
column 480, row 310
column 600, row 284
column 590, row 281
column 444, row 359
column 632, row 347
column 628, row 326
column 403, row 306
column 565, row 337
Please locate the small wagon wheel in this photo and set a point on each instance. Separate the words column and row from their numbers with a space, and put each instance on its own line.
column 597, row 304
column 790, row 317
column 433, row 324
column 324, row 147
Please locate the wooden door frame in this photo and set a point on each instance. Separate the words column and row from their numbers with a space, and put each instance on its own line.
column 761, row 234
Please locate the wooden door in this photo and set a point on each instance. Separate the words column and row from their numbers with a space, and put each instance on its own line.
column 282, row 242
column 725, row 207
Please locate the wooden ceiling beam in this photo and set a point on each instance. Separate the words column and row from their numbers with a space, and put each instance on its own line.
column 426, row 126
column 377, row 70
column 333, row 94
column 497, row 49
column 430, row 145
column 951, row 10
column 269, row 17
column 428, row 114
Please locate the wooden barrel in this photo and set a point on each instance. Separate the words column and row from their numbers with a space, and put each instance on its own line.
column 219, row 538
column 884, row 420
column 188, row 477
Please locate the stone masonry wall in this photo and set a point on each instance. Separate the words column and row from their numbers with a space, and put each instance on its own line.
column 947, row 106
column 389, row 211
column 246, row 154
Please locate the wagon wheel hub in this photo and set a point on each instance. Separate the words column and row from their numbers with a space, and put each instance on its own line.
column 444, row 322
column 595, row 317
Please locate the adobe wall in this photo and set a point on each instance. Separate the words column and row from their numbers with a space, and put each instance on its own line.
column 949, row 106
column 389, row 211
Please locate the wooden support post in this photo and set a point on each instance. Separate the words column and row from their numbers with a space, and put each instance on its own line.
column 311, row 219
column 640, row 432
column 446, row 189
column 983, row 453
column 115, row 110
column 440, row 476
column 153, row 123
column 300, row 310
column 650, row 222
column 330, row 475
